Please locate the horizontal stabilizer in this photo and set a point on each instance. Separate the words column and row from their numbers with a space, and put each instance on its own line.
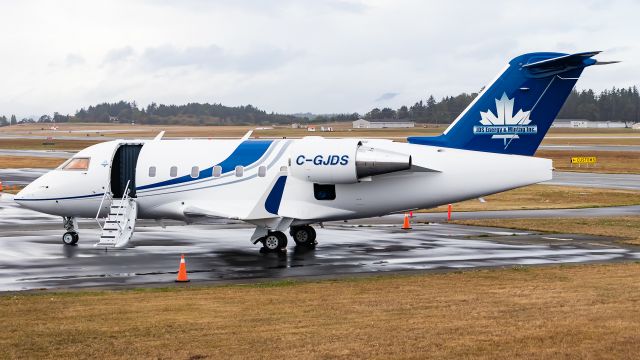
column 606, row 62
column 571, row 60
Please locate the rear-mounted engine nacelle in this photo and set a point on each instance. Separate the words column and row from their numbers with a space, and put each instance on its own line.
column 342, row 161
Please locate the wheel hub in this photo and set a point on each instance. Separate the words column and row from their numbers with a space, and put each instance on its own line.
column 302, row 236
column 68, row 238
column 271, row 242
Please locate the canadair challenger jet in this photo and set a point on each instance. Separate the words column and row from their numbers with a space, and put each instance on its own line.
column 291, row 184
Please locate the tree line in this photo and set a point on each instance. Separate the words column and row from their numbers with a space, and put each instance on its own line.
column 617, row 104
column 188, row 114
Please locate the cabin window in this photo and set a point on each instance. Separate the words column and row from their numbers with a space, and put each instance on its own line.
column 173, row 172
column 76, row 164
column 152, row 171
column 262, row 171
column 195, row 172
column 239, row 171
column 324, row 192
column 217, row 171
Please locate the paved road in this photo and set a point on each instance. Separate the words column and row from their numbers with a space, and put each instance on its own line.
column 610, row 181
column 34, row 258
column 592, row 147
column 20, row 176
column 37, row 153
column 613, row 211
column 43, row 137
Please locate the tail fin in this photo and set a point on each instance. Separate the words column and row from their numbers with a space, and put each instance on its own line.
column 513, row 113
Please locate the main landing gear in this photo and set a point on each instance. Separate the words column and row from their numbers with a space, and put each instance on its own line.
column 276, row 241
column 71, row 237
column 304, row 236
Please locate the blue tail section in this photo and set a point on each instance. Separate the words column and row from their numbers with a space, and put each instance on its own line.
column 514, row 112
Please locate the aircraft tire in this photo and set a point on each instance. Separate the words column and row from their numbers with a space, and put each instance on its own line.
column 304, row 235
column 70, row 238
column 274, row 241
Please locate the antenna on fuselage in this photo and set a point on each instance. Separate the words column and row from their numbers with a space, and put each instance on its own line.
column 247, row 135
column 159, row 136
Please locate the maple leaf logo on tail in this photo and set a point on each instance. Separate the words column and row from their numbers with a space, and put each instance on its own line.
column 504, row 124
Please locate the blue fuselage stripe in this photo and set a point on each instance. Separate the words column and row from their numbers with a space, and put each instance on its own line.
column 272, row 203
column 245, row 154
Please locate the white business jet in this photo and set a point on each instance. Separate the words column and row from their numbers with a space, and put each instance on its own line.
column 291, row 184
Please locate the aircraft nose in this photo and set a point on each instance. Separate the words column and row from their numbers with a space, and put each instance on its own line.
column 23, row 196
column 32, row 191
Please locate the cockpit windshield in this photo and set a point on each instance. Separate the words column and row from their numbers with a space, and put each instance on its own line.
column 75, row 164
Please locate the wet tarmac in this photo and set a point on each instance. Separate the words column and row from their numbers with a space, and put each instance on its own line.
column 33, row 256
column 37, row 153
column 608, row 181
column 20, row 176
column 592, row 147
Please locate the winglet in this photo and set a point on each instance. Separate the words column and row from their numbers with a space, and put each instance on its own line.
column 159, row 136
column 247, row 135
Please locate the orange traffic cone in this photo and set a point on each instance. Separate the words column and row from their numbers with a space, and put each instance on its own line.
column 406, row 225
column 182, row 271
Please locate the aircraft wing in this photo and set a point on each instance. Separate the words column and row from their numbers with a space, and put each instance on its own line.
column 197, row 211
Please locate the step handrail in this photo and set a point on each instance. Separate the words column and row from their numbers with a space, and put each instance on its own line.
column 125, row 198
column 107, row 194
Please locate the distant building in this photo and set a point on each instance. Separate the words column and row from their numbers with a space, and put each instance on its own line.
column 311, row 128
column 636, row 126
column 295, row 126
column 578, row 124
column 586, row 124
column 382, row 124
column 326, row 128
column 114, row 119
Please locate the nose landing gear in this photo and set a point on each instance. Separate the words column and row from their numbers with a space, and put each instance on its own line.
column 71, row 237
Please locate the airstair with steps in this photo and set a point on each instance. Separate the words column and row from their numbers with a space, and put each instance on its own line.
column 118, row 226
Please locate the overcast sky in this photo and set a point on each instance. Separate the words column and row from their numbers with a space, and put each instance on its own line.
column 321, row 56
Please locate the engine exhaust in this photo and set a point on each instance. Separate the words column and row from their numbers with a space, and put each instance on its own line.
column 370, row 162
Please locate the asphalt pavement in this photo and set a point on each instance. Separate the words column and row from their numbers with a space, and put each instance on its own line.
column 592, row 147
column 33, row 256
column 20, row 176
column 37, row 153
column 597, row 180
